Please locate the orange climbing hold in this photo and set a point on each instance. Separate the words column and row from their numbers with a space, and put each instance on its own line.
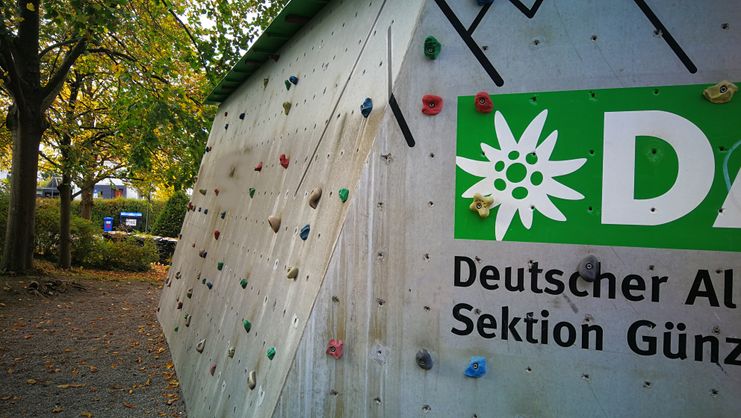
column 431, row 104
column 284, row 161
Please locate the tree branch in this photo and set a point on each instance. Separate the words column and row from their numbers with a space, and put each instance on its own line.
column 52, row 88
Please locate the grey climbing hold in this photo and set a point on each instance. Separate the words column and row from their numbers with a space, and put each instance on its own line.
column 252, row 380
column 424, row 359
column 187, row 320
column 241, row 116
column 201, row 344
column 476, row 367
column 314, row 197
column 292, row 273
column 304, row 234
column 180, row 305
column 274, row 222
column 293, row 79
column 190, row 293
column 231, row 351
column 223, row 215
column 366, row 107
column 205, row 211
column 209, row 285
column 202, row 191
column 589, row 268
column 203, row 253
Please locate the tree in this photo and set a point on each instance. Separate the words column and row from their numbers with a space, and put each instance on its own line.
column 171, row 218
column 34, row 66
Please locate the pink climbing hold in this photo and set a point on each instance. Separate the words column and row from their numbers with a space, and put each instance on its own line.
column 258, row 167
column 217, row 234
column 335, row 348
column 483, row 102
column 284, row 160
column 212, row 369
column 431, row 104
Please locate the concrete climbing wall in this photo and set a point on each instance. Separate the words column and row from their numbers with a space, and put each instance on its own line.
column 404, row 267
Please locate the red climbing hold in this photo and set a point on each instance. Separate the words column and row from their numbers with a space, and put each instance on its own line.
column 258, row 167
column 334, row 348
column 212, row 369
column 217, row 233
column 284, row 160
column 431, row 104
column 483, row 102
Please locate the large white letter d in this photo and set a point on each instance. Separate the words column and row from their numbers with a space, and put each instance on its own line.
column 694, row 178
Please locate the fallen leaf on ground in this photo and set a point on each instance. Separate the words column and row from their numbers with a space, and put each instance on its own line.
column 129, row 405
column 32, row 381
column 57, row 409
column 86, row 414
column 93, row 369
column 71, row 385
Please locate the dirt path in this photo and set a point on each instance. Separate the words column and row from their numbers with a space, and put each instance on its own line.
column 95, row 352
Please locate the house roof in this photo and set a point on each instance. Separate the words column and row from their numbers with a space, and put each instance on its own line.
column 289, row 21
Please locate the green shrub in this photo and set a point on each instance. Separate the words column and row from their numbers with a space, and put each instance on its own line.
column 113, row 207
column 130, row 254
column 83, row 233
column 4, row 202
column 171, row 218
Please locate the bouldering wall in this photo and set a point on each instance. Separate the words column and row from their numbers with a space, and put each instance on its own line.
column 407, row 300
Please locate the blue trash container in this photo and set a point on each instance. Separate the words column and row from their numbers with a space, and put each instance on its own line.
column 107, row 224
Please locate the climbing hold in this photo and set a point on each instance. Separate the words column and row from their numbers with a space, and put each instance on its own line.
column 230, row 352
column 220, row 265
column 304, row 234
column 217, row 234
column 258, row 167
column 424, row 359
column 187, row 320
column 209, row 285
column 243, row 283
column 205, row 211
column 252, row 380
column 176, row 329
column 589, row 268
column 431, row 104
column 292, row 273
column 203, row 281
column 252, row 192
column 343, row 194
column 366, row 107
column 274, row 222
column 190, row 293
column 432, row 47
column 226, row 126
column 485, row 2
column 476, row 367
column 284, row 160
column 212, row 369
column 202, row 191
column 293, row 79
column 270, row 353
column 720, row 93
column 223, row 214
column 208, row 149
column 265, row 82
column 288, row 84
column 335, row 348
column 247, row 325
column 287, row 107
column 216, row 191
column 241, row 116
column 178, row 276
column 314, row 197
column 483, row 102
column 201, row 344
column 203, row 253
column 191, row 206
column 180, row 305
column 481, row 204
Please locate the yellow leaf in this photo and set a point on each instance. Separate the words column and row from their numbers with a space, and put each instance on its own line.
column 86, row 414
column 57, row 409
column 71, row 385
column 30, row 7
column 31, row 381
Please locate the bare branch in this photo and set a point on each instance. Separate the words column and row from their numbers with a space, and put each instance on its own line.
column 52, row 88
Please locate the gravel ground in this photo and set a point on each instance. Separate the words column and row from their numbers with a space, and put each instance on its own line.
column 97, row 351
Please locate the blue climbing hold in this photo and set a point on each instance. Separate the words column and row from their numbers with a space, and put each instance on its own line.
column 209, row 285
column 366, row 107
column 293, row 79
column 305, row 232
column 476, row 367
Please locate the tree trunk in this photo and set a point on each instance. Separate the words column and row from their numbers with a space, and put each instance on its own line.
column 65, row 207
column 27, row 129
column 86, row 203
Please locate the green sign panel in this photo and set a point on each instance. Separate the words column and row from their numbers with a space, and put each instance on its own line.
column 643, row 167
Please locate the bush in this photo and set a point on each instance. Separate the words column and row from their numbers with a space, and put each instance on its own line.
column 83, row 232
column 172, row 216
column 113, row 207
column 4, row 202
column 130, row 254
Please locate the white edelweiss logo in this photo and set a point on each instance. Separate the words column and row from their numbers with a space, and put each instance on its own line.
column 520, row 175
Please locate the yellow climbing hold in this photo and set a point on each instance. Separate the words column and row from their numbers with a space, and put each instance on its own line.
column 287, row 107
column 314, row 197
column 293, row 273
column 481, row 204
column 720, row 93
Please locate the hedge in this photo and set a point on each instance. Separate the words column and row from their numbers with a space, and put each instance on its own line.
column 113, row 207
column 172, row 216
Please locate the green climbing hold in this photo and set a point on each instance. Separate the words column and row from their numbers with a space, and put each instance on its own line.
column 288, row 85
column 252, row 192
column 202, row 191
column 176, row 329
column 432, row 47
column 344, row 194
column 247, row 325
column 270, row 353
column 220, row 265
column 243, row 283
